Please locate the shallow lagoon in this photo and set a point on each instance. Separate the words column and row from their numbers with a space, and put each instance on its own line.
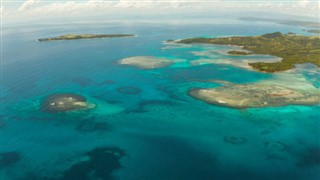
column 161, row 131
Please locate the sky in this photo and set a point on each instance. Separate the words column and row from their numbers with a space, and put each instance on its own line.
column 22, row 10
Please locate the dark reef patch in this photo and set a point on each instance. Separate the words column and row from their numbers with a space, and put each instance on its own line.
column 107, row 82
column 275, row 146
column 309, row 158
column 62, row 102
column 92, row 126
column 235, row 139
column 102, row 162
column 82, row 81
column 174, row 158
column 128, row 90
column 171, row 94
column 107, row 98
column 182, row 160
column 140, row 108
column 9, row 158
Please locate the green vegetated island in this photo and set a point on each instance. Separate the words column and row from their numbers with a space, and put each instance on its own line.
column 292, row 48
column 84, row 36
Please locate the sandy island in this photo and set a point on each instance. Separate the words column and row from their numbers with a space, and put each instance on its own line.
column 147, row 62
column 262, row 94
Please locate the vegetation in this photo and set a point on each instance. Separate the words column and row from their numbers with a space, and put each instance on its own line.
column 235, row 52
column 293, row 49
column 84, row 36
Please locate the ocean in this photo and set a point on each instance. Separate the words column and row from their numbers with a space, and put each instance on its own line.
column 157, row 132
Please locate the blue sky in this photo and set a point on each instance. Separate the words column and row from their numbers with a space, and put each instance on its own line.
column 32, row 9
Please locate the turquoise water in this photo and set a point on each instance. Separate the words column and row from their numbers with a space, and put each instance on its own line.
column 161, row 132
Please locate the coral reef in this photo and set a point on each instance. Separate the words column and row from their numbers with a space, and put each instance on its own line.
column 9, row 158
column 65, row 102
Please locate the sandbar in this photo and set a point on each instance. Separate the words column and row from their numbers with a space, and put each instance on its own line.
column 146, row 62
column 266, row 93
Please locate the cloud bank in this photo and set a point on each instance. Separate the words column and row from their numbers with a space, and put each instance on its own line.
column 27, row 5
column 47, row 9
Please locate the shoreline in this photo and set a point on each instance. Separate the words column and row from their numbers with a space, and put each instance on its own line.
column 276, row 44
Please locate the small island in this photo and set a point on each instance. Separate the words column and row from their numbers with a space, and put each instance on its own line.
column 146, row 62
column 293, row 49
column 84, row 36
column 65, row 102
column 239, row 53
column 241, row 96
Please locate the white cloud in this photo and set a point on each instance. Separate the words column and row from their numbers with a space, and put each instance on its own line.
column 303, row 3
column 28, row 4
column 74, row 8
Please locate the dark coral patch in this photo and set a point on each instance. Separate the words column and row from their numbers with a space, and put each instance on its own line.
column 235, row 139
column 140, row 108
column 128, row 90
column 275, row 146
column 171, row 94
column 92, row 126
column 102, row 162
column 9, row 158
column 107, row 82
column 311, row 157
column 82, row 81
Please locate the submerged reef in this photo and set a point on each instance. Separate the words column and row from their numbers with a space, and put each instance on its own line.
column 235, row 139
column 128, row 90
column 140, row 107
column 92, row 126
column 310, row 157
column 84, row 36
column 275, row 146
column 255, row 95
column 9, row 158
column 146, row 62
column 293, row 49
column 65, row 102
column 100, row 165
column 82, row 81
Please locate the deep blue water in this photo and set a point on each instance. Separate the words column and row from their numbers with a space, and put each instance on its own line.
column 163, row 133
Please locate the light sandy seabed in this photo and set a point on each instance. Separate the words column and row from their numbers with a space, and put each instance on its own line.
column 148, row 62
column 283, row 89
